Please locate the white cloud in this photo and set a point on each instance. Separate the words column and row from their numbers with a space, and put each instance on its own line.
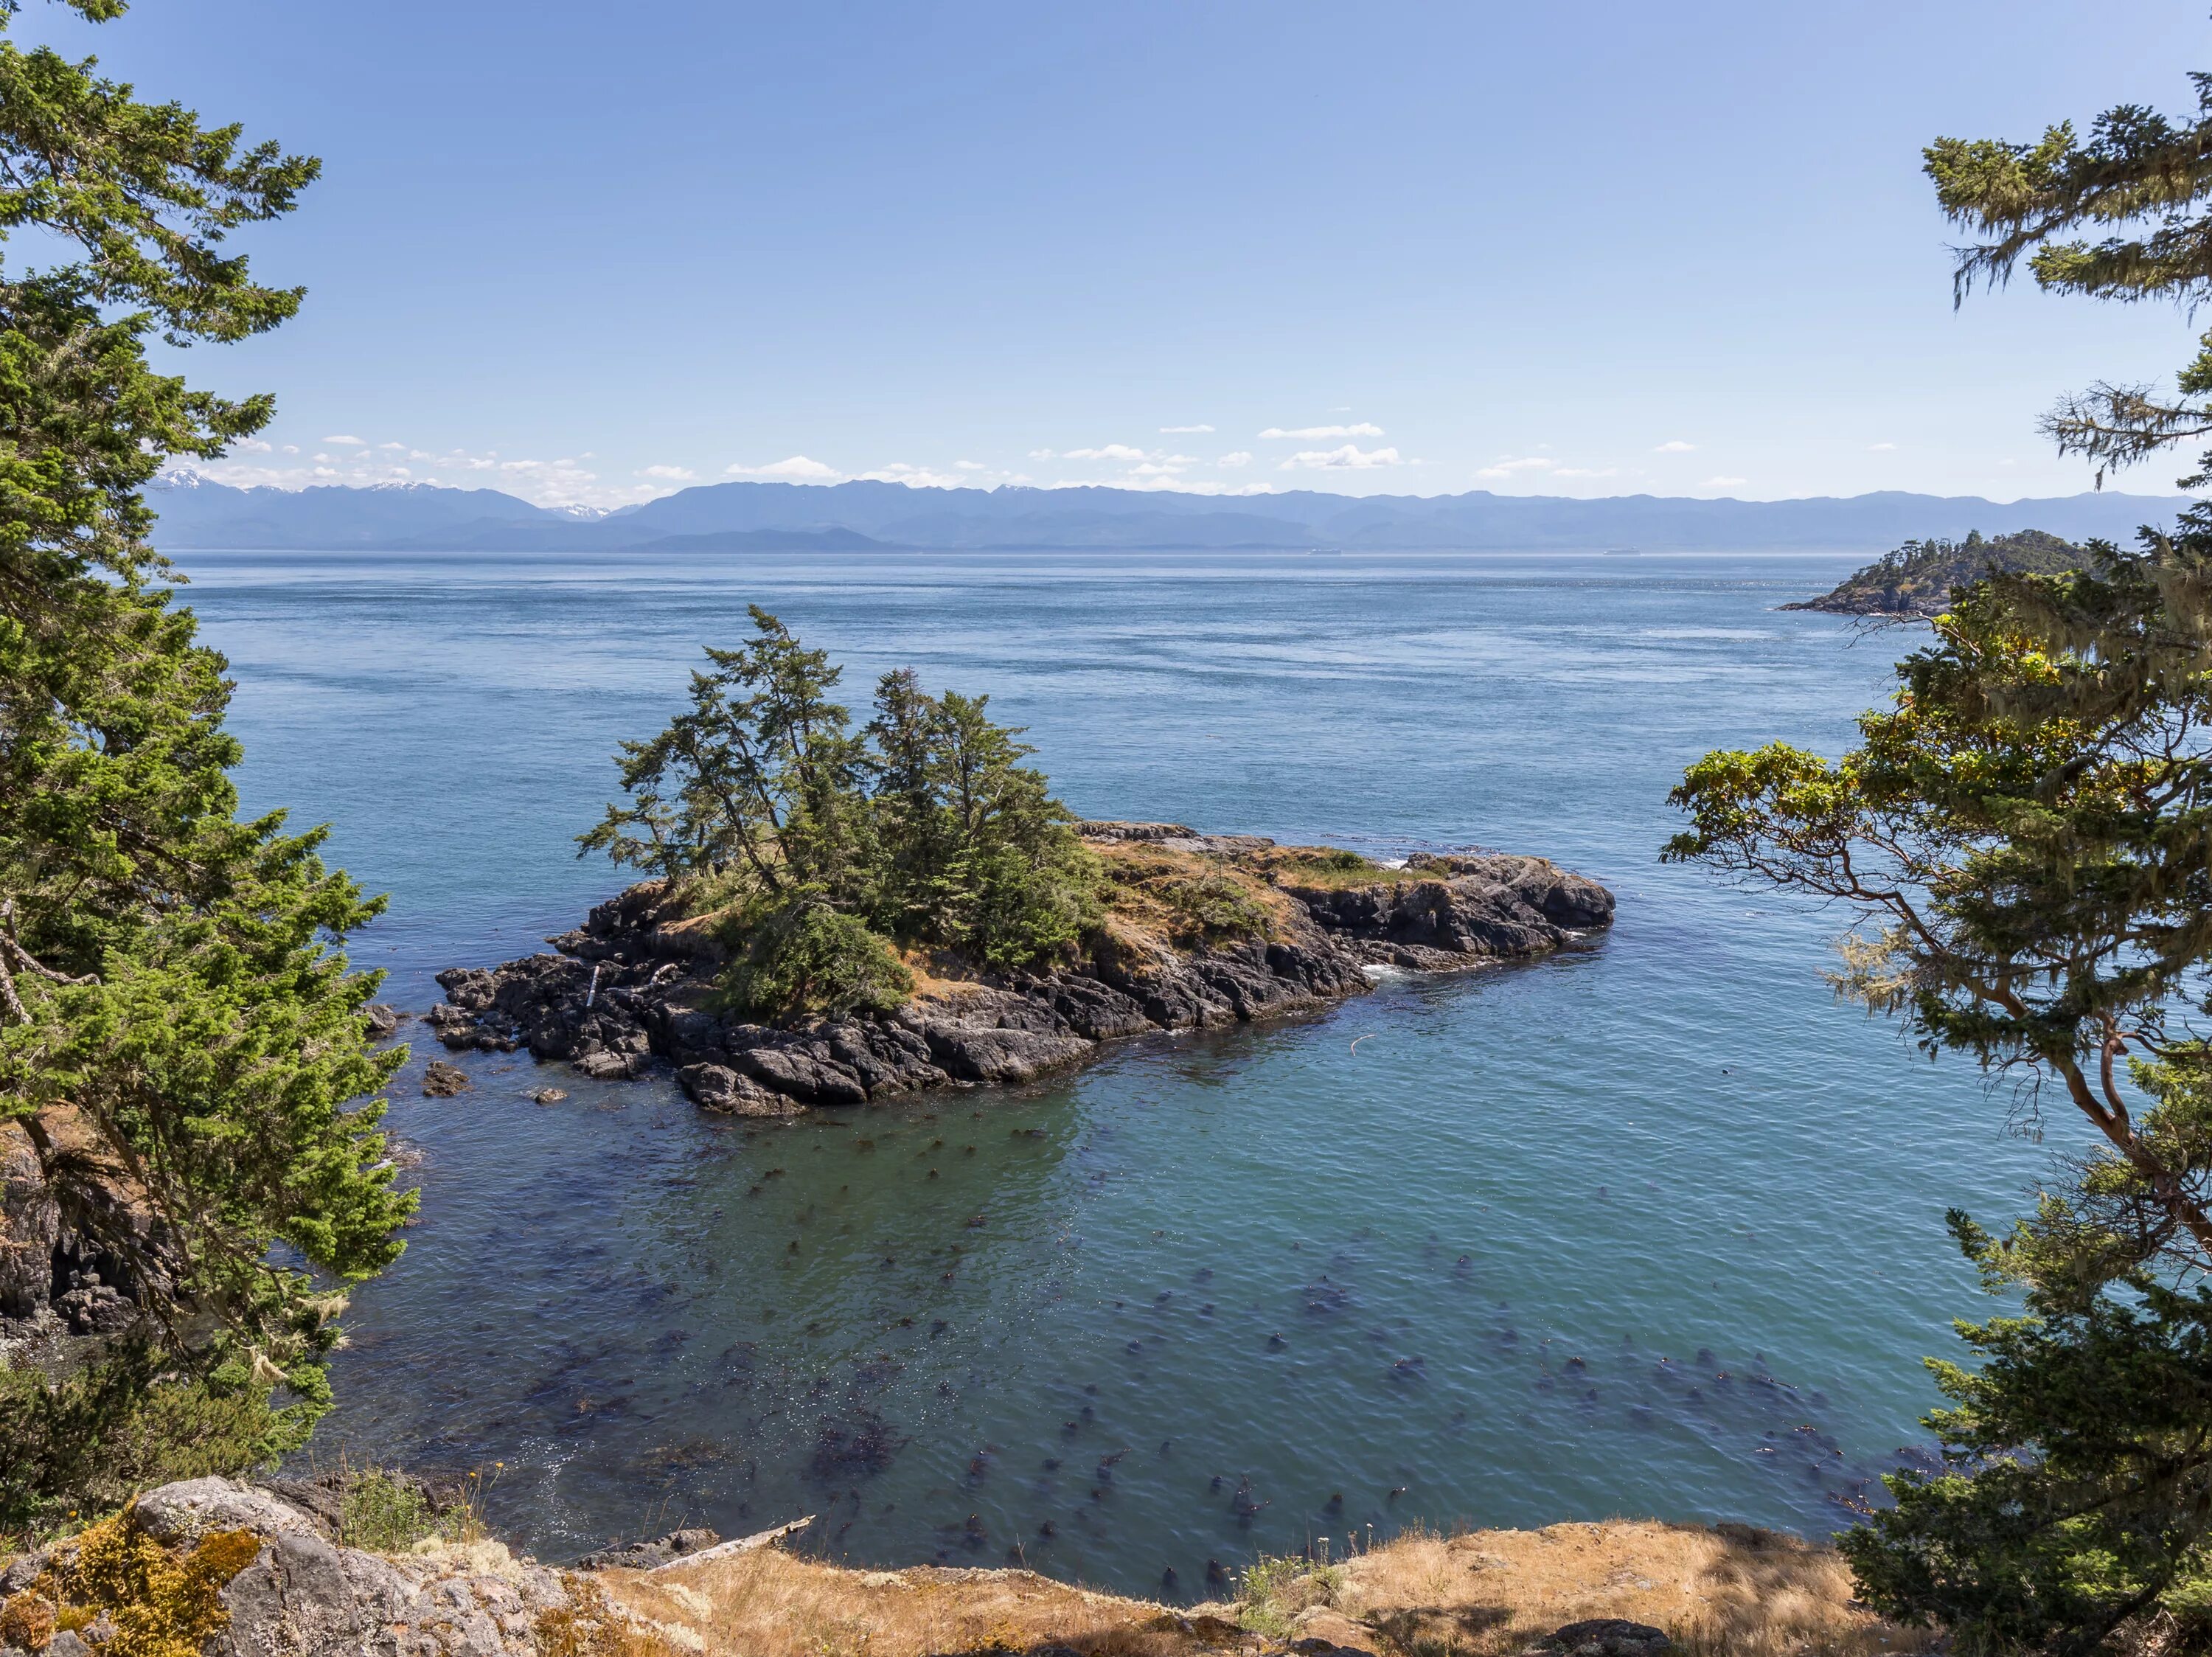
column 1363, row 429
column 675, row 474
column 1347, row 459
column 1043, row 455
column 1673, row 446
column 970, row 466
column 1506, row 466
column 914, row 477
column 1183, row 431
column 1243, row 457
column 562, row 482
column 1723, row 483
column 795, row 469
column 1876, row 449
column 1108, row 452
column 350, row 442
column 252, row 446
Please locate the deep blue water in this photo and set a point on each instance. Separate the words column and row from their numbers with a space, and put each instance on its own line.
column 1652, row 1230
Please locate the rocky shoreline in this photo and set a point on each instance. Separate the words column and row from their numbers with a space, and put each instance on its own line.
column 635, row 984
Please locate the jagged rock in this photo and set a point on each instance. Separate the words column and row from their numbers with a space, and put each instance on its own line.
column 717, row 1087
column 443, row 1081
column 999, row 1055
column 801, row 1076
column 320, row 1500
column 1564, row 898
column 646, row 1556
column 1604, row 1636
column 382, row 1020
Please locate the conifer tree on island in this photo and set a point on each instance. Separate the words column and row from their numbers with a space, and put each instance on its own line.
column 2025, row 838
column 175, row 1020
column 822, row 849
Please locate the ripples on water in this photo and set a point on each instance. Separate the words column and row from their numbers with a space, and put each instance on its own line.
column 1654, row 1230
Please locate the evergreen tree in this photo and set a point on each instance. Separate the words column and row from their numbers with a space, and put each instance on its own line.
column 167, row 971
column 2026, row 839
column 2026, row 836
column 925, row 829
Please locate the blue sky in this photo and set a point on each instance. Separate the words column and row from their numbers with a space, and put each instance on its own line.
column 594, row 253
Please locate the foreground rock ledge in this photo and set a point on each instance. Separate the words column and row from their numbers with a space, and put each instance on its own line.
column 635, row 982
column 278, row 1582
column 289, row 1589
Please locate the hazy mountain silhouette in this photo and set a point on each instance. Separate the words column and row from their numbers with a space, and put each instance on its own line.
column 874, row 516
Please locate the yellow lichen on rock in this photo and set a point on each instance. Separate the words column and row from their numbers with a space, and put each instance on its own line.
column 148, row 1600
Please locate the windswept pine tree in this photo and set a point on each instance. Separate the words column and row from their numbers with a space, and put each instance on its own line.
column 180, row 1039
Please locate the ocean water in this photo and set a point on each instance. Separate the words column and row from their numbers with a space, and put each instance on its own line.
column 1653, row 1229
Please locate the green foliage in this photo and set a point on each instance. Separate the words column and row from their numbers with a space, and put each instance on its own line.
column 2138, row 183
column 760, row 776
column 2026, row 841
column 807, row 959
column 386, row 1514
column 924, row 828
column 2078, row 1485
column 2026, row 836
column 1918, row 578
column 1273, row 1589
column 165, row 968
column 120, row 1425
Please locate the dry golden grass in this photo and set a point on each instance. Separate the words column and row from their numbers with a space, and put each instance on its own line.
column 1481, row 1594
column 1744, row 1593
column 771, row 1603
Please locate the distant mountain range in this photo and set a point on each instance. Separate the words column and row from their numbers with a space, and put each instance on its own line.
column 864, row 517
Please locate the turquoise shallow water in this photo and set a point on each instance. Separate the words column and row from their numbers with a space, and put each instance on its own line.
column 1654, row 1230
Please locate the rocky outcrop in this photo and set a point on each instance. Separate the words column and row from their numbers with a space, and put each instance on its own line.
column 80, row 1245
column 289, row 1588
column 634, row 985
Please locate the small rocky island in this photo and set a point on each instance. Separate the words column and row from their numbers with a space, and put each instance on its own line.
column 843, row 913
column 1199, row 932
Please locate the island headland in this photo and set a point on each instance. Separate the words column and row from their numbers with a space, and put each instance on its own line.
column 1916, row 581
column 1199, row 932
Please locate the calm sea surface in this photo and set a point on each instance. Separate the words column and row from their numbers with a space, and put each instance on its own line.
column 1652, row 1230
